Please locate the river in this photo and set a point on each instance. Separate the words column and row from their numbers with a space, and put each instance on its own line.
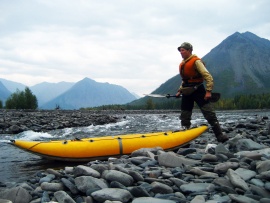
column 18, row 166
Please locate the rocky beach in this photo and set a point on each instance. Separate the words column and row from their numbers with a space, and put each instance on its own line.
column 13, row 121
column 203, row 171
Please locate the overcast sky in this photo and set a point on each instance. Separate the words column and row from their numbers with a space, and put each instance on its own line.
column 132, row 43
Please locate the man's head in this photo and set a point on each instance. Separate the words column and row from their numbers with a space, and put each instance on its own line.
column 185, row 50
column 186, row 46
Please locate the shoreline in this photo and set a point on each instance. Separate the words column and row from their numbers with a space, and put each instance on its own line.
column 17, row 121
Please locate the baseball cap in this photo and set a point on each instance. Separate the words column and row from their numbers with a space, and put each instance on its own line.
column 186, row 46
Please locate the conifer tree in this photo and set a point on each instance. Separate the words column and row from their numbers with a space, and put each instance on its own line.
column 22, row 100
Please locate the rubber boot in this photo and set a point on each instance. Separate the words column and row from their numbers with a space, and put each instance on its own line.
column 218, row 133
column 185, row 118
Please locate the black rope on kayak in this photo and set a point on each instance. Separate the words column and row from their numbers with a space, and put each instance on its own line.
column 76, row 139
column 120, row 145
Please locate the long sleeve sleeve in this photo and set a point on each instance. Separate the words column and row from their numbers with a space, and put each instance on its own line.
column 205, row 74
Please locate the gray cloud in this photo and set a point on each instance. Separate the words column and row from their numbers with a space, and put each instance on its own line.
column 129, row 43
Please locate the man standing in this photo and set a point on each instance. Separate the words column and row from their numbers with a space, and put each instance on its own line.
column 193, row 74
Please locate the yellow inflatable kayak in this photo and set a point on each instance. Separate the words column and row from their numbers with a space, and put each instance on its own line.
column 100, row 148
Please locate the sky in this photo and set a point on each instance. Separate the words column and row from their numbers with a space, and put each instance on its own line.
column 131, row 43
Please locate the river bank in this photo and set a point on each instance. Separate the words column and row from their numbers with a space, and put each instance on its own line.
column 204, row 171
column 17, row 121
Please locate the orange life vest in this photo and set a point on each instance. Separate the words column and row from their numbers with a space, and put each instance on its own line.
column 188, row 71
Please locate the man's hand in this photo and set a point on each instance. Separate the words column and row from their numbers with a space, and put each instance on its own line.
column 207, row 95
column 178, row 94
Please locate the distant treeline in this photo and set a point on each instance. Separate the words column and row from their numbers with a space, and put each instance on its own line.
column 21, row 100
column 239, row 102
column 250, row 101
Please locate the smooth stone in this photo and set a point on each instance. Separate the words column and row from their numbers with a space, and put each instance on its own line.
column 264, row 175
column 223, row 167
column 197, row 187
column 151, row 163
column 209, row 158
column 167, row 175
column 267, row 186
column 100, row 167
column 178, row 182
column 144, row 151
column 262, row 166
column 260, row 191
column 180, row 195
column 222, row 157
column 62, row 196
column 248, row 145
column 26, row 186
column 54, row 172
column 73, row 189
column 45, row 197
column 69, row 170
column 161, row 188
column 136, row 175
column 241, row 198
column 198, row 199
column 245, row 174
column 186, row 151
column 236, row 180
column 113, row 175
column 52, row 186
column 194, row 156
column 170, row 159
column 170, row 196
column 264, row 200
column 139, row 160
column 113, row 194
column 200, row 172
column 47, row 178
column 5, row 201
column 258, row 182
column 85, row 183
column 115, row 184
column 151, row 200
column 16, row 195
column 85, row 171
column 221, row 149
column 122, row 169
column 220, row 199
column 153, row 173
column 255, row 155
column 177, row 172
column 139, row 192
column 210, row 148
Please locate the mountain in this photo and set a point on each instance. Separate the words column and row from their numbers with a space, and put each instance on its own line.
column 4, row 93
column 12, row 86
column 239, row 65
column 47, row 91
column 89, row 93
column 136, row 95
